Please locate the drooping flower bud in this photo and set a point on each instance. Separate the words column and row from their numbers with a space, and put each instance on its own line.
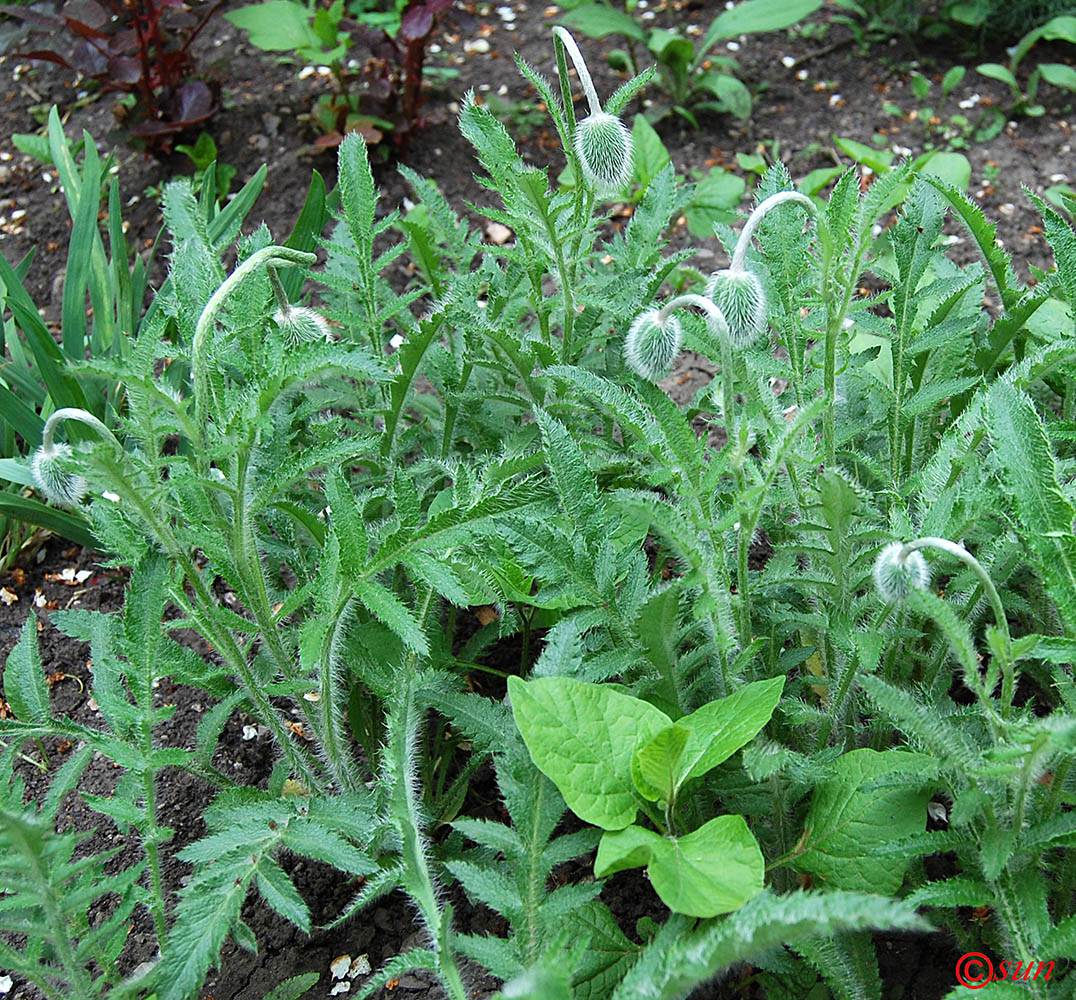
column 603, row 145
column 898, row 571
column 59, row 486
column 740, row 296
column 652, row 344
column 47, row 464
column 301, row 325
column 601, row 141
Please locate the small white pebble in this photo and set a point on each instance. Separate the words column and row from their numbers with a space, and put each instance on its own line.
column 876, row 230
column 5, row 156
column 19, row 213
column 648, row 15
column 901, row 150
column 324, row 71
column 733, row 46
column 396, row 340
column 801, row 74
column 788, row 62
column 47, row 177
column 834, row 100
column 511, row 26
column 435, row 48
column 306, row 72
column 8, row 597
column 341, row 987
column 339, row 966
column 1058, row 178
column 5, row 984
column 476, row 45
column 502, row 90
column 1007, row 209
column 250, row 733
column 506, row 13
column 359, row 967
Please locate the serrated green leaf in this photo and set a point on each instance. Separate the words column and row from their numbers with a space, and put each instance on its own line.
column 24, row 678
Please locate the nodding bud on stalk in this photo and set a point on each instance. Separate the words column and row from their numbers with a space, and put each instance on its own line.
column 738, row 291
column 740, row 296
column 898, row 571
column 894, row 559
column 652, row 344
column 270, row 258
column 298, row 324
column 47, row 464
column 655, row 338
column 602, row 142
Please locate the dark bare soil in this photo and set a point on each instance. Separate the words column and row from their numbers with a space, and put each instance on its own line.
column 841, row 93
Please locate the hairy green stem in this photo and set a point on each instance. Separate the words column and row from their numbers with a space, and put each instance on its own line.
column 961, row 553
column 271, row 257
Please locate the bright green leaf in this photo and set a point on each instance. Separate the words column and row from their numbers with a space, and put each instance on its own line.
column 582, row 737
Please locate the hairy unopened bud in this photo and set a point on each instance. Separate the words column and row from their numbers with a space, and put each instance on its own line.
column 301, row 325
column 603, row 145
column 652, row 344
column 57, row 484
column 740, row 296
column 897, row 574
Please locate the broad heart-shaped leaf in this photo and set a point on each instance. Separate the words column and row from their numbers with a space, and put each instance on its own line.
column 872, row 799
column 721, row 727
column 582, row 737
column 655, row 766
column 714, row 870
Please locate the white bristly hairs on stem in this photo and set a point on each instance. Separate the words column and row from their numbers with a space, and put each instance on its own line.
column 602, row 141
column 271, row 257
column 738, row 290
column 54, row 481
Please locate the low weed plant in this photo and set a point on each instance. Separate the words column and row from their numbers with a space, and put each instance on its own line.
column 759, row 637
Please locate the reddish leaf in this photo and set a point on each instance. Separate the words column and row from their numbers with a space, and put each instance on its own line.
column 35, row 17
column 83, row 30
column 46, row 56
column 86, row 12
column 124, row 69
column 88, row 60
column 192, row 103
column 417, row 22
column 122, row 41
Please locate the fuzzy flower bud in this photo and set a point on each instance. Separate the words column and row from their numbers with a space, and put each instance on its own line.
column 652, row 344
column 301, row 325
column 603, row 145
column 740, row 296
column 47, row 467
column 897, row 572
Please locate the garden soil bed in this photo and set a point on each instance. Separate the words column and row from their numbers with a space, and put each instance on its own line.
column 841, row 93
